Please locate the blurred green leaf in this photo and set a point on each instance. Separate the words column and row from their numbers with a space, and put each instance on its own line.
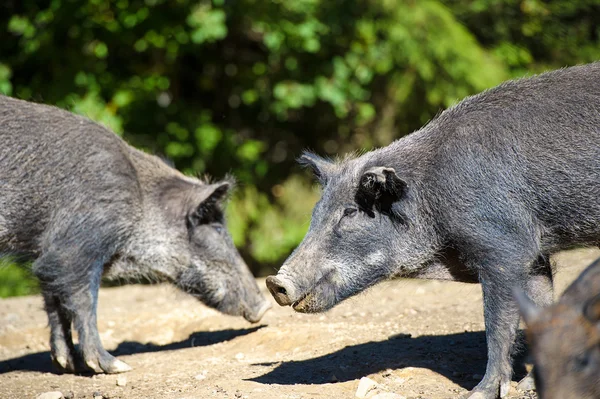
column 207, row 137
column 5, row 75
column 250, row 150
column 15, row 280
column 208, row 23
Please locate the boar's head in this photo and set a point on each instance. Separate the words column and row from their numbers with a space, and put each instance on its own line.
column 366, row 227
column 212, row 269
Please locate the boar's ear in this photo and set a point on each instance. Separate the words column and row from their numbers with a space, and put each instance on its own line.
column 209, row 209
column 380, row 181
column 591, row 309
column 379, row 187
column 321, row 167
column 529, row 310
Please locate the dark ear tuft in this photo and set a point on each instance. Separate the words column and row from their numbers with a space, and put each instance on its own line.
column 321, row 167
column 382, row 180
column 379, row 188
column 209, row 209
column 591, row 309
column 218, row 194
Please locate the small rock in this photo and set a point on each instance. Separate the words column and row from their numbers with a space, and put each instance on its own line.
column 97, row 395
column 69, row 395
column 200, row 377
column 388, row 395
column 333, row 378
column 50, row 395
column 121, row 381
column 239, row 356
column 364, row 386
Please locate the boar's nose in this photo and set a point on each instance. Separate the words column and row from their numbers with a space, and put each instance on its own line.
column 256, row 314
column 282, row 291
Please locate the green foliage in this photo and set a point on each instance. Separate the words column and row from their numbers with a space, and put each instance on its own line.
column 243, row 86
column 534, row 35
column 272, row 229
column 5, row 75
column 15, row 280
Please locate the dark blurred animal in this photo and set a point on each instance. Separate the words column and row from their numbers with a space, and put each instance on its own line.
column 565, row 339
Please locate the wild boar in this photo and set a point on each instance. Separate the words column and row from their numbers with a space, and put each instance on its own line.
column 81, row 203
column 484, row 193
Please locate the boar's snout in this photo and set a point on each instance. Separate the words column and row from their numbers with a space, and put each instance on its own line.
column 282, row 291
column 254, row 315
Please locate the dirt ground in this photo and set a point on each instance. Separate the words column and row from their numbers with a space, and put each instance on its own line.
column 419, row 339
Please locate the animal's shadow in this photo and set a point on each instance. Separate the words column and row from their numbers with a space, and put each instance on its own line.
column 459, row 357
column 42, row 362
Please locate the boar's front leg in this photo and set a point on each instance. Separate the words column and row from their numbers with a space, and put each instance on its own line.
column 497, row 277
column 61, row 341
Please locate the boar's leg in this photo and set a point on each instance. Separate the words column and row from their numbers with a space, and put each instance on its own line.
column 61, row 341
column 497, row 277
column 539, row 289
column 83, row 303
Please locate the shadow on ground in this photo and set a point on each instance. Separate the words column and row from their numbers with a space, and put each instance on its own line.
column 459, row 357
column 42, row 362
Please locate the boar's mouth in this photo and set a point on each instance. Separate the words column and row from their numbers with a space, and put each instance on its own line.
column 319, row 297
column 299, row 305
column 315, row 300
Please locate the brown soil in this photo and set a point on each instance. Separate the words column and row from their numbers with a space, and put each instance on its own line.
column 420, row 339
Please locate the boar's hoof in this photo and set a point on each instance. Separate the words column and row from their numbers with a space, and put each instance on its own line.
column 488, row 390
column 118, row 366
column 94, row 366
column 64, row 363
column 526, row 384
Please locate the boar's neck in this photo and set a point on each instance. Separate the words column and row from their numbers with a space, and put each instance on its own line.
column 413, row 160
column 154, row 251
column 411, row 156
column 151, row 170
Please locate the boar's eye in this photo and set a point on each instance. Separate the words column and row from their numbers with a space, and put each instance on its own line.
column 581, row 361
column 218, row 227
column 350, row 212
